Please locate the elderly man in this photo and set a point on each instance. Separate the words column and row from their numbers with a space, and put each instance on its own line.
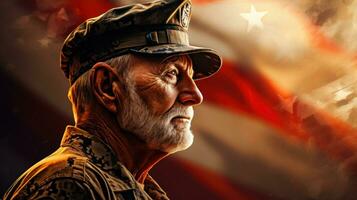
column 132, row 75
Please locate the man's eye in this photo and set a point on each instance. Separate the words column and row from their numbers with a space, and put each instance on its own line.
column 172, row 75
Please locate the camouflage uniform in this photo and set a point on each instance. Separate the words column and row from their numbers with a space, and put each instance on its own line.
column 84, row 167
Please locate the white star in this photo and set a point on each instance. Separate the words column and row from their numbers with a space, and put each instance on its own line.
column 254, row 18
column 44, row 42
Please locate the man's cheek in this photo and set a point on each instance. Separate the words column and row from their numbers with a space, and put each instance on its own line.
column 160, row 98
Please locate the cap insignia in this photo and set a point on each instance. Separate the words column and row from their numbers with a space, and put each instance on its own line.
column 185, row 15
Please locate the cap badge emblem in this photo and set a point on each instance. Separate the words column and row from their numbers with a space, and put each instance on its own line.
column 185, row 16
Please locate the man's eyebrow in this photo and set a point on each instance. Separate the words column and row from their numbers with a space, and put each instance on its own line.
column 168, row 60
column 174, row 61
column 183, row 67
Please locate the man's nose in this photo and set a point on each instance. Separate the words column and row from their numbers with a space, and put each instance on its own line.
column 189, row 93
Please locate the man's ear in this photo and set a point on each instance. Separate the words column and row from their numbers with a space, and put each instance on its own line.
column 104, row 84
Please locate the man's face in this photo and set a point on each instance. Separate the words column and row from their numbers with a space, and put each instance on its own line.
column 158, row 107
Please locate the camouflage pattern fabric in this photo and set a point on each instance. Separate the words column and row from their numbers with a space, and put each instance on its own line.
column 84, row 167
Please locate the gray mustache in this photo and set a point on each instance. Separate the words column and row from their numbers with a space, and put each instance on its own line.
column 179, row 111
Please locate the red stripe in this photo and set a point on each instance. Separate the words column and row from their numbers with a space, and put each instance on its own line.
column 243, row 90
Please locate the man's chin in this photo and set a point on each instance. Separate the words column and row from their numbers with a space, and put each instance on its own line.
column 182, row 144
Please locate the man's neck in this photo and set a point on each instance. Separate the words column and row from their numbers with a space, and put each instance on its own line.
column 132, row 152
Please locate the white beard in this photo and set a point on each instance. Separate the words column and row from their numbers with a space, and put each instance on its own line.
column 157, row 131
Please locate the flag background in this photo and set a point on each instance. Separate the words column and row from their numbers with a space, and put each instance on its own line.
column 278, row 121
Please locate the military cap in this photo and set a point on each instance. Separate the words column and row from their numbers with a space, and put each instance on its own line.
column 156, row 28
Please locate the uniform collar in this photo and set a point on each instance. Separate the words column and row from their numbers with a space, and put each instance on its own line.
column 101, row 155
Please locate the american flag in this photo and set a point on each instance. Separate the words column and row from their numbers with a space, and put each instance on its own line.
column 278, row 121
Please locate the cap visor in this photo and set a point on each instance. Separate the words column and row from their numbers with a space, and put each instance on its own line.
column 205, row 61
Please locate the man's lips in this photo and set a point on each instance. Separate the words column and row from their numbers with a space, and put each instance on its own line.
column 181, row 118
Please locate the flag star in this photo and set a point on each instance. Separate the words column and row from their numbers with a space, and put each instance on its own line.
column 44, row 42
column 254, row 18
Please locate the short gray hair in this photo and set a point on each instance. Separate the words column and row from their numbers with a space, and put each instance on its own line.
column 80, row 93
